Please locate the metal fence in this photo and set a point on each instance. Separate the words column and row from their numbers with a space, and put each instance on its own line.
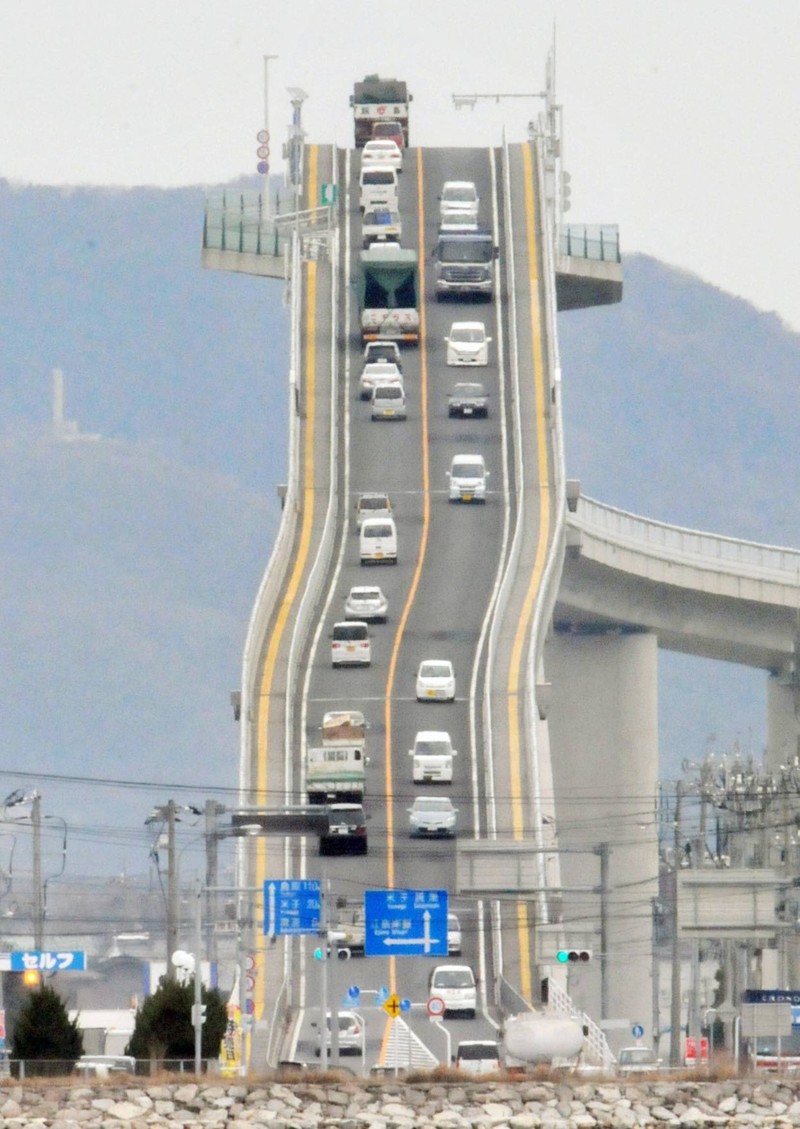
column 590, row 241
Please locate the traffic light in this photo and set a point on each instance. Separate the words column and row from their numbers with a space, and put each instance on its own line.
column 31, row 977
column 319, row 953
column 573, row 956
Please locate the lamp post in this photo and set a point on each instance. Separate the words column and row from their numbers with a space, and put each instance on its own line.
column 39, row 887
column 168, row 814
column 266, row 131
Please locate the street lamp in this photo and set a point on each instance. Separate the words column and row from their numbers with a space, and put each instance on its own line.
column 168, row 813
column 15, row 799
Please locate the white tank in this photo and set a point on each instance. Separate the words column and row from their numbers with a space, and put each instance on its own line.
column 539, row 1037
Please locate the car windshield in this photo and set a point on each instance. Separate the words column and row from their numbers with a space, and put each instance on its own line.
column 377, row 502
column 636, row 1055
column 465, row 250
column 377, row 531
column 452, row 978
column 365, row 594
column 432, row 803
column 467, row 334
column 469, row 390
column 388, row 392
column 349, row 631
column 477, row 1050
column 434, row 670
column 379, row 176
column 460, row 193
column 468, row 470
column 433, row 747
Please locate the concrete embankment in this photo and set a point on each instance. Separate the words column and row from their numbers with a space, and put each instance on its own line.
column 334, row 1104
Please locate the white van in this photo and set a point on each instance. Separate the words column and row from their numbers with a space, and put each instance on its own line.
column 377, row 189
column 478, row 1056
column 468, row 475
column 455, row 985
column 388, row 402
column 432, row 757
column 350, row 644
column 378, row 541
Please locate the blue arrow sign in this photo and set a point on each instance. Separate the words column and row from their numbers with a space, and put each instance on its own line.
column 48, row 962
column 292, row 906
column 405, row 923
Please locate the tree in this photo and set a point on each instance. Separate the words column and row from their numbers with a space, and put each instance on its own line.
column 44, row 1035
column 164, row 1029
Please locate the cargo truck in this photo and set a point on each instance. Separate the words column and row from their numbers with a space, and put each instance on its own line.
column 336, row 769
column 378, row 99
column 388, row 293
column 464, row 262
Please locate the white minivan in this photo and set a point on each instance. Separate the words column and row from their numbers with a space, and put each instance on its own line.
column 377, row 188
column 378, row 541
column 350, row 644
column 468, row 475
column 455, row 985
column 432, row 757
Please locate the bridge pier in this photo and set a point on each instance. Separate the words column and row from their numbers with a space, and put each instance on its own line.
column 783, row 722
column 603, row 724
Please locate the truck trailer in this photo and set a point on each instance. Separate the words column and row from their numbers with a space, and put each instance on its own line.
column 378, row 99
column 388, row 293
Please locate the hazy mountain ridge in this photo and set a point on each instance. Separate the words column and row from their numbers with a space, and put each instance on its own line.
column 130, row 561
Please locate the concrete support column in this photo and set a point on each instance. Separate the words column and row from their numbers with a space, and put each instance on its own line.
column 783, row 723
column 603, row 724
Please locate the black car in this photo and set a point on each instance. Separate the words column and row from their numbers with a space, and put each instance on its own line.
column 468, row 400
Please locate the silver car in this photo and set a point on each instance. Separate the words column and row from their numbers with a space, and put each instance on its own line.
column 351, row 1032
column 432, row 816
column 378, row 372
column 366, row 602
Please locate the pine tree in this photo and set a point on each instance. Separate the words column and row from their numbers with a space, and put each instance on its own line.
column 164, row 1029
column 44, row 1035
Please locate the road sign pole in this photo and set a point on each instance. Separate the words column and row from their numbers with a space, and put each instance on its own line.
column 323, row 994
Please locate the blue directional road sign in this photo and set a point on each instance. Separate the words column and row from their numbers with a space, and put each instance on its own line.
column 292, row 906
column 405, row 923
column 39, row 961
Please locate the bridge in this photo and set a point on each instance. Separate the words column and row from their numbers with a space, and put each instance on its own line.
column 550, row 605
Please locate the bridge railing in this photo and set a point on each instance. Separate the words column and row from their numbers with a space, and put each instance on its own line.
column 691, row 546
column 590, row 241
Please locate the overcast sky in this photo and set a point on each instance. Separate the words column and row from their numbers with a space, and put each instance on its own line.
column 680, row 115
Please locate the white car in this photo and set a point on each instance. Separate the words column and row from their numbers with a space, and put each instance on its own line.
column 436, row 681
column 432, row 817
column 453, row 935
column 388, row 402
column 372, row 505
column 468, row 476
column 467, row 344
column 350, row 644
column 459, row 201
column 366, row 602
column 351, row 1032
column 382, row 151
column 383, row 351
column 432, row 757
column 455, row 984
column 379, row 372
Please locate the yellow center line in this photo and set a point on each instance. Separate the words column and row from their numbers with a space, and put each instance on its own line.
column 300, row 560
column 415, row 580
column 517, row 654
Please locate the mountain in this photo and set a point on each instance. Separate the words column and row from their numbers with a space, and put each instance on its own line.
column 132, row 548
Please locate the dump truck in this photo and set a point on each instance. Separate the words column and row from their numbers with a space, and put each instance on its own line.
column 388, row 293
column 378, row 99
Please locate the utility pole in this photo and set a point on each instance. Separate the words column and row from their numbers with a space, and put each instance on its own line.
column 213, row 810
column 172, row 890
column 38, row 889
column 604, row 851
column 675, row 998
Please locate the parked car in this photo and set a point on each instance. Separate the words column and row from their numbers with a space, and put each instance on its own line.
column 467, row 343
column 436, row 681
column 468, row 400
column 453, row 935
column 459, row 201
column 347, row 830
column 351, row 1032
column 378, row 372
column 382, row 151
column 432, row 817
column 468, row 476
column 103, row 1066
column 350, row 644
column 455, row 984
column 366, row 602
column 478, row 1056
column 383, row 351
column 372, row 505
column 388, row 402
